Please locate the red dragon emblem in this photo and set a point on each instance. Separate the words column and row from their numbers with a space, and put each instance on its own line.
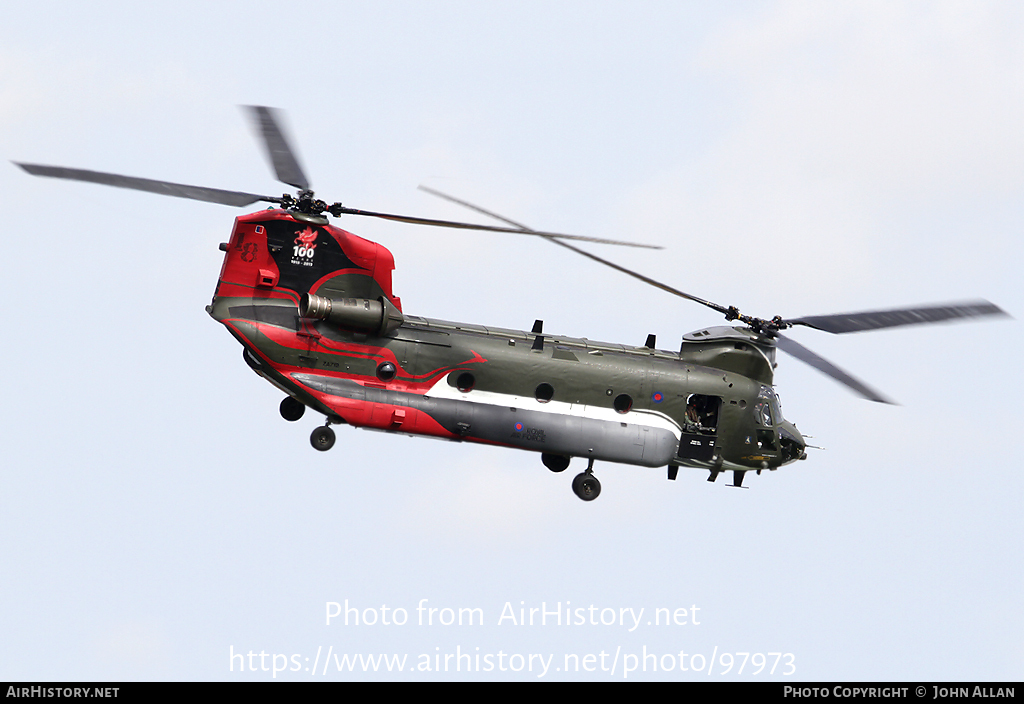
column 306, row 238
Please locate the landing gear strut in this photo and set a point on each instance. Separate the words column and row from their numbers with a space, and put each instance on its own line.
column 322, row 438
column 585, row 485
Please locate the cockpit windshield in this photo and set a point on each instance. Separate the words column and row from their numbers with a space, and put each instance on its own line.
column 768, row 409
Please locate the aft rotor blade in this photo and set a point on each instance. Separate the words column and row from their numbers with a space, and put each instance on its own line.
column 794, row 348
column 613, row 265
column 281, row 155
column 166, row 188
column 488, row 228
column 878, row 319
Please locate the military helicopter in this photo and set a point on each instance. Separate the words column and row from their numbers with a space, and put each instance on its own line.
column 313, row 308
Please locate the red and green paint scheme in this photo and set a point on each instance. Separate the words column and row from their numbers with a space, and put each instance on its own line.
column 313, row 308
column 370, row 365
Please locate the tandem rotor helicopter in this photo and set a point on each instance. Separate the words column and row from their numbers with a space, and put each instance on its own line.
column 313, row 308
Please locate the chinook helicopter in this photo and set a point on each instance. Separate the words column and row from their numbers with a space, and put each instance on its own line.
column 313, row 308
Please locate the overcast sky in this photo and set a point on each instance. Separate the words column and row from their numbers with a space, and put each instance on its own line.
column 794, row 158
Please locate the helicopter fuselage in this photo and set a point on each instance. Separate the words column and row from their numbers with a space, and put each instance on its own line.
column 711, row 405
column 313, row 308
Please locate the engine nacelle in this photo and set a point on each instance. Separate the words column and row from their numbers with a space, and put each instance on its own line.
column 362, row 314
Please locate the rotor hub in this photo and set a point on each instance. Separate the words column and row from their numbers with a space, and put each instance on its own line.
column 305, row 203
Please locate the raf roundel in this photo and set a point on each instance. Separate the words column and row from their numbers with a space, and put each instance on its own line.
column 657, row 397
column 518, row 427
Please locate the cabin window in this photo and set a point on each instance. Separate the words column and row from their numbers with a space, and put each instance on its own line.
column 544, row 392
column 623, row 403
column 465, row 382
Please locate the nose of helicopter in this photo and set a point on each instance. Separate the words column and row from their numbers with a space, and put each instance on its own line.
column 794, row 447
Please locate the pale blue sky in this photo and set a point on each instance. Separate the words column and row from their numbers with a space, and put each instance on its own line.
column 794, row 158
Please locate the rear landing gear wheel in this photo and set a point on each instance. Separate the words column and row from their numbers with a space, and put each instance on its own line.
column 556, row 463
column 291, row 409
column 322, row 438
column 586, row 486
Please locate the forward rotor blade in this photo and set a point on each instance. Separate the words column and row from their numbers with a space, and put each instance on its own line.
column 488, row 228
column 281, row 155
column 165, row 188
column 613, row 265
column 641, row 277
column 878, row 319
column 794, row 348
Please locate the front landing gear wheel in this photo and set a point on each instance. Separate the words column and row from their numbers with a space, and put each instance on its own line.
column 586, row 486
column 291, row 409
column 322, row 438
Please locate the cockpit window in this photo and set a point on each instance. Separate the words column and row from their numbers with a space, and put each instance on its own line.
column 768, row 409
column 768, row 413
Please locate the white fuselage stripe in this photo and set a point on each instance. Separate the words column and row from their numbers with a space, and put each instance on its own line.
column 649, row 419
